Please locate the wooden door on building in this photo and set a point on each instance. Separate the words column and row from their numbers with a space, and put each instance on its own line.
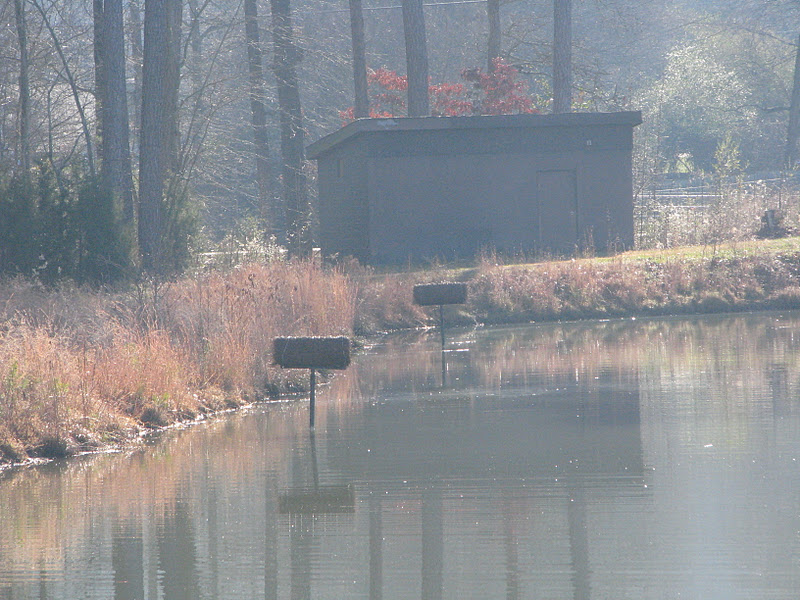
column 556, row 192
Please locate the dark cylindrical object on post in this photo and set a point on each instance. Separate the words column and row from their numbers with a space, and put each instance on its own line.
column 433, row 294
column 312, row 352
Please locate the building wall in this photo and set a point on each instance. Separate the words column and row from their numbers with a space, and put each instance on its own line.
column 607, row 200
column 452, row 206
column 343, row 204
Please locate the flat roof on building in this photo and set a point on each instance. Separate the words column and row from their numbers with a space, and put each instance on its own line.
column 362, row 126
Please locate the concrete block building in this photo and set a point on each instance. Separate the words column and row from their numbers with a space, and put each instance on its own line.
column 414, row 189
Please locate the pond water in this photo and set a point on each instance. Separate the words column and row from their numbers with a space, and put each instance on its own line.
column 626, row 459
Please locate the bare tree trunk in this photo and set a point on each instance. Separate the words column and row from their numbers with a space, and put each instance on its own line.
column 135, row 37
column 494, row 42
column 152, row 155
column 258, row 112
column 158, row 147
column 24, row 92
column 793, row 129
column 196, row 46
column 361, row 110
column 115, row 172
column 287, row 56
column 172, row 84
column 99, row 69
column 562, row 56
column 416, row 58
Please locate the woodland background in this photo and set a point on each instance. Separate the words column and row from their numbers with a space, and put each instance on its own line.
column 148, row 136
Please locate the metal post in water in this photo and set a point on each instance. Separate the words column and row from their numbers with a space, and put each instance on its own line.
column 444, row 369
column 444, row 360
column 312, row 353
column 313, row 397
column 441, row 325
column 439, row 294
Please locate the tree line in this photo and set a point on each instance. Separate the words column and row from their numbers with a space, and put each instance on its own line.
column 133, row 132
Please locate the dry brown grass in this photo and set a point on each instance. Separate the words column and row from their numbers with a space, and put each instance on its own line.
column 605, row 288
column 81, row 368
column 385, row 301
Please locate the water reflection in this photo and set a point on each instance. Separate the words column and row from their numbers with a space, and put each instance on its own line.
column 305, row 503
column 626, row 459
column 177, row 553
column 375, row 547
column 127, row 561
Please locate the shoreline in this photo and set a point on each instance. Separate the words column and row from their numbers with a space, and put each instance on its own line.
column 136, row 439
column 200, row 350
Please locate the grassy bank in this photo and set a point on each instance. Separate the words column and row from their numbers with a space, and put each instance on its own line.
column 753, row 276
column 81, row 369
column 699, row 279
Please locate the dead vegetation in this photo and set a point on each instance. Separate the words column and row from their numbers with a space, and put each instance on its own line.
column 81, row 369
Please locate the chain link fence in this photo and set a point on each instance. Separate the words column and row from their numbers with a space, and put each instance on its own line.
column 681, row 211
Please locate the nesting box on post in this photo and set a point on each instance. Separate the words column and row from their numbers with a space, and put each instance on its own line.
column 312, row 353
column 437, row 294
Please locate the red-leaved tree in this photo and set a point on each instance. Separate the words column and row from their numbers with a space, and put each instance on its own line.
column 497, row 92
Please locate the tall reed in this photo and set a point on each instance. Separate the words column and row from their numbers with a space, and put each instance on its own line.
column 81, row 368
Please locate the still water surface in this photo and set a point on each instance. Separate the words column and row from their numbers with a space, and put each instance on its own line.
column 637, row 459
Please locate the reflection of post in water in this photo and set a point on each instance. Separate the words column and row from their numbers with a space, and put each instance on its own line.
column 510, row 543
column 432, row 542
column 270, row 534
column 315, row 470
column 302, row 503
column 375, row 547
column 300, row 529
column 213, row 533
column 312, row 397
column 578, row 540
column 300, row 555
column 42, row 580
column 777, row 375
